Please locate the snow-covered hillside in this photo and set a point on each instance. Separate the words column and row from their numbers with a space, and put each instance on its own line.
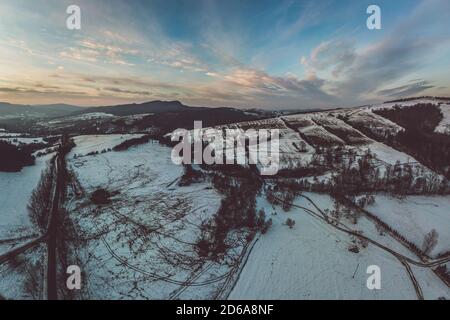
column 312, row 261
column 87, row 116
column 351, row 192
column 444, row 126
column 143, row 244
column 415, row 216
column 97, row 143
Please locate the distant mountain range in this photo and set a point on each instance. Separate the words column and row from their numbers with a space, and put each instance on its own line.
column 17, row 111
column 8, row 110
column 11, row 111
column 140, row 108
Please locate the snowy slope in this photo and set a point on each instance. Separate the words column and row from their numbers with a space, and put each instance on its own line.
column 312, row 131
column 92, row 143
column 405, row 104
column 378, row 125
column 415, row 216
column 311, row 261
column 152, row 224
column 16, row 190
column 19, row 140
column 444, row 126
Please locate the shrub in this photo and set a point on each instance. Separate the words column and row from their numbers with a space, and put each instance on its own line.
column 190, row 176
column 430, row 241
column 290, row 223
column 353, row 248
column 266, row 226
column 203, row 248
column 101, row 197
column 261, row 218
column 288, row 201
column 13, row 158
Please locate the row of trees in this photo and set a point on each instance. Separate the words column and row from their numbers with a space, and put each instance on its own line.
column 14, row 158
column 237, row 211
column 40, row 202
column 365, row 174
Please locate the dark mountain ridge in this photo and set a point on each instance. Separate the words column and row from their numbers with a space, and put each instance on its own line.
column 36, row 111
column 140, row 108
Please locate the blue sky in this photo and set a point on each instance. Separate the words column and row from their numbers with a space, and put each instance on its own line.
column 268, row 54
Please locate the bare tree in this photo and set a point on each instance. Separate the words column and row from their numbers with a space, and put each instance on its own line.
column 429, row 242
column 290, row 223
column 40, row 201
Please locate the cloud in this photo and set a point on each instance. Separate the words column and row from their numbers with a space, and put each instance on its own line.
column 129, row 81
column 247, row 85
column 92, row 51
column 360, row 74
column 128, row 92
column 28, row 90
column 231, row 54
column 87, row 55
column 311, row 14
column 337, row 55
column 406, row 90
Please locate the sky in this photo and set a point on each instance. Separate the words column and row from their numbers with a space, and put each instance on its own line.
column 276, row 54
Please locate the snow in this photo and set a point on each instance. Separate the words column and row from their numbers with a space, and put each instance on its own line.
column 405, row 104
column 144, row 180
column 376, row 124
column 16, row 190
column 388, row 154
column 444, row 125
column 19, row 186
column 415, row 216
column 19, row 141
column 289, row 142
column 315, row 131
column 143, row 244
column 346, row 132
column 290, row 156
column 5, row 134
column 311, row 130
column 92, row 143
column 83, row 117
column 311, row 261
column 94, row 170
column 25, row 279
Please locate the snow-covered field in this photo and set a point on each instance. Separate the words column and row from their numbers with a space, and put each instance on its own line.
column 415, row 216
column 6, row 134
column 311, row 261
column 16, row 190
column 24, row 278
column 143, row 244
column 20, row 140
column 92, row 143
